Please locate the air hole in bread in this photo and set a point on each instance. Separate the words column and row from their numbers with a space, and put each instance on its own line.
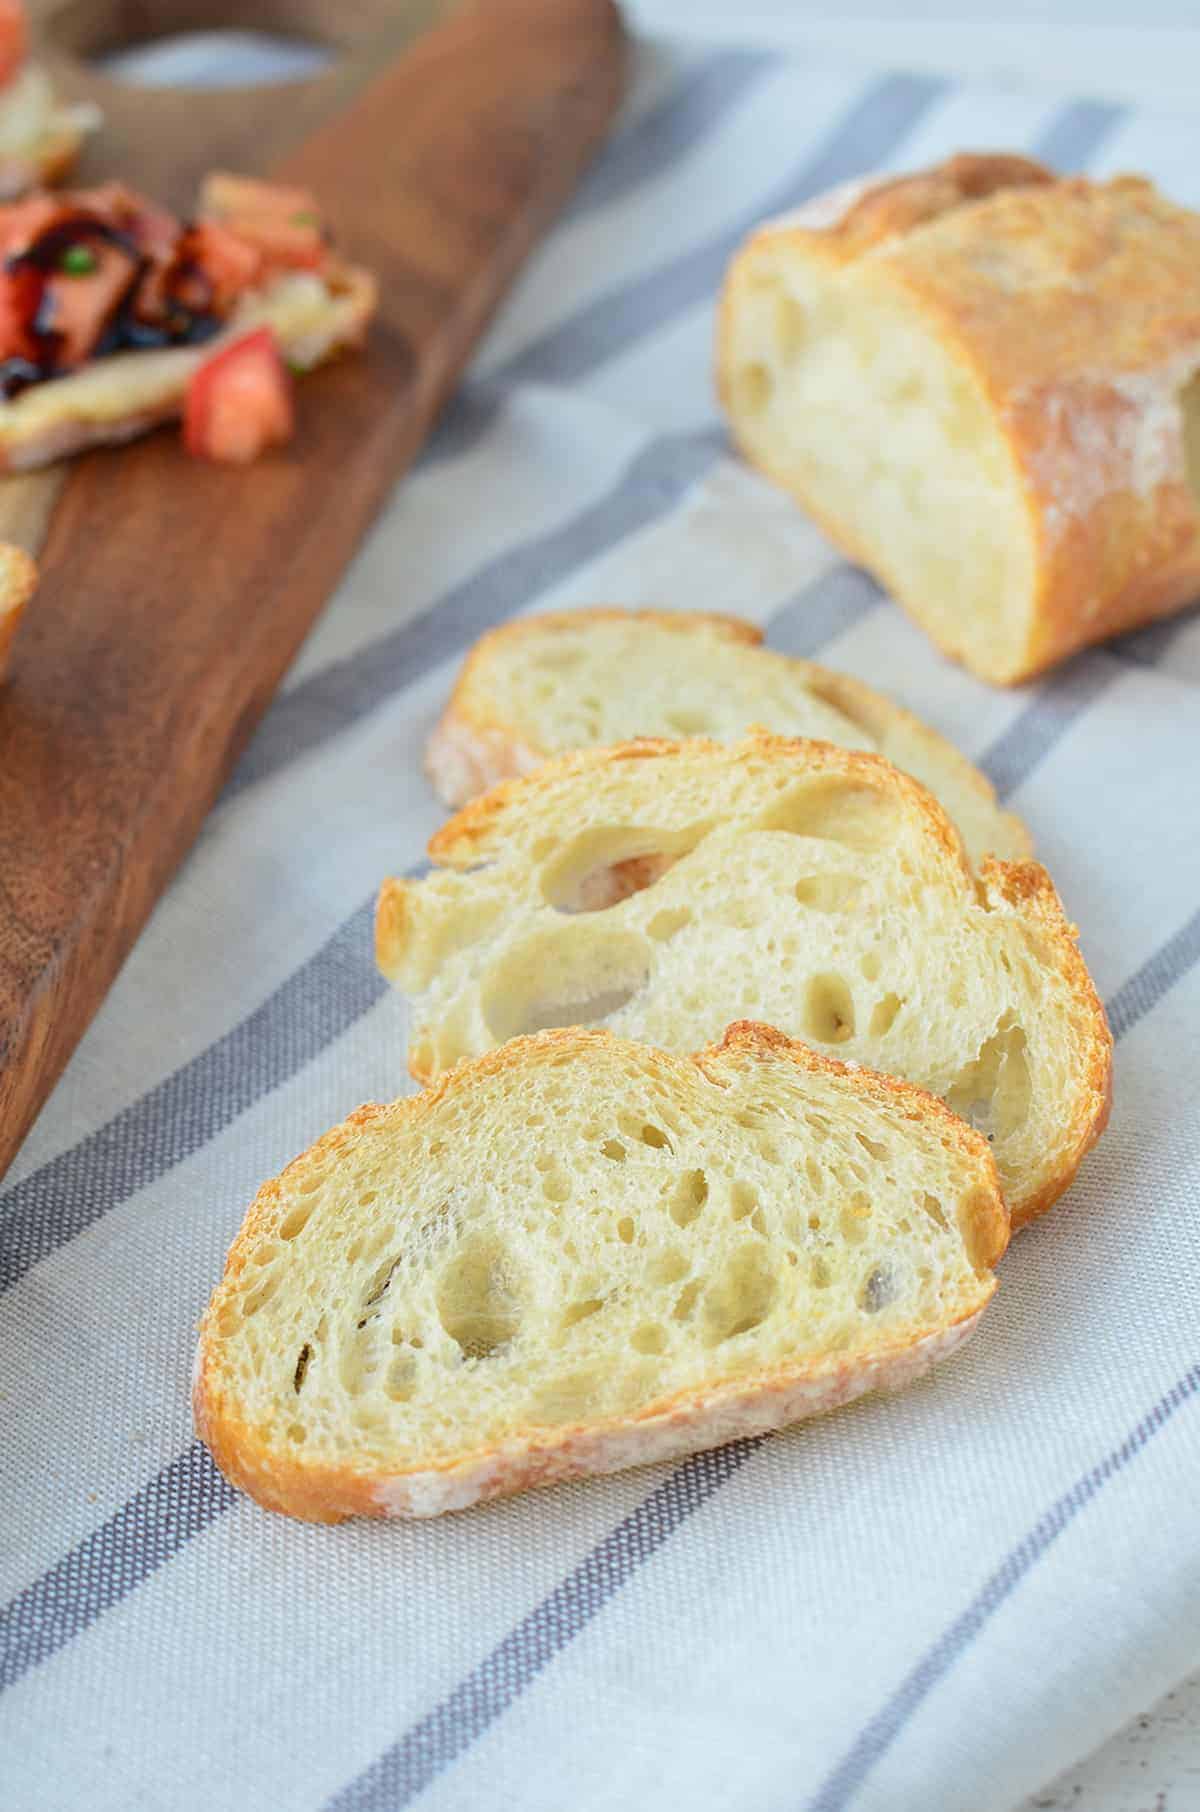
column 574, row 975
column 877, row 1290
column 380, row 1284
column 975, row 1223
column 819, row 1274
column 933, row 1208
column 815, row 1175
column 994, row 1092
column 581, row 1311
column 828, row 892
column 686, row 1302
column 263, row 1294
column 626, row 1230
column 1189, row 404
column 742, row 1296
column 477, row 1299
column 873, row 1146
column 556, row 1187
column 754, row 387
column 758, row 1221
column 311, row 1184
column 742, row 1201
column 838, row 811
column 401, row 1378
column 650, row 1338
column 664, row 925
column 605, row 865
column 668, row 1268
column 296, row 1221
column 301, row 1371
column 613, row 1148
column 297, row 1432
column 855, row 1218
column 870, row 966
column 689, row 1197
column 828, row 1010
column 884, row 1014
column 654, row 1136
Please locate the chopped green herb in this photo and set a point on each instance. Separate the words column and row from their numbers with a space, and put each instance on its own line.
column 296, row 368
column 77, row 261
column 306, row 218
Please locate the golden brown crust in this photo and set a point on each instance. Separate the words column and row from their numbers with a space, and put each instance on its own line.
column 281, row 1479
column 472, row 748
column 1075, row 307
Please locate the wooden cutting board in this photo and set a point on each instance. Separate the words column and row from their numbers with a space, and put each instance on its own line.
column 174, row 593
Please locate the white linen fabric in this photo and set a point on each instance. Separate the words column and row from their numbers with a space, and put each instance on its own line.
column 930, row 1601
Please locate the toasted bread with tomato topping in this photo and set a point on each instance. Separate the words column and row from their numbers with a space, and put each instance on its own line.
column 110, row 307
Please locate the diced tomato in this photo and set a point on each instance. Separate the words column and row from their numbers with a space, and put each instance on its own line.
column 239, row 402
column 24, row 221
column 228, row 261
column 283, row 224
column 14, row 38
column 79, row 307
column 19, row 292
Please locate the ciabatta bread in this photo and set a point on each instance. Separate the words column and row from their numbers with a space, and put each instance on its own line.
column 589, row 678
column 579, row 1254
column 982, row 382
column 123, row 394
column 667, row 889
column 18, row 582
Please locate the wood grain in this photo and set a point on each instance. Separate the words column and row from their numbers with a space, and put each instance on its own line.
column 174, row 594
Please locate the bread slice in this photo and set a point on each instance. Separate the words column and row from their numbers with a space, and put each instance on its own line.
column 587, row 678
column 667, row 889
column 122, row 395
column 18, row 582
column 981, row 381
column 578, row 1254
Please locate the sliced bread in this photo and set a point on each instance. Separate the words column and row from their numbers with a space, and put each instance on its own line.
column 590, row 678
column 578, row 1254
column 667, row 889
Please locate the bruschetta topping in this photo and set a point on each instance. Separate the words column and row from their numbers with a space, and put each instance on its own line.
column 103, row 270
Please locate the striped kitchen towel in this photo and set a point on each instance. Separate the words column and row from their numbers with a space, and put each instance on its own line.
column 931, row 1602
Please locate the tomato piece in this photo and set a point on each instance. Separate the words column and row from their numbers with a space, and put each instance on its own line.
column 24, row 221
column 19, row 291
column 283, row 224
column 79, row 306
column 239, row 402
column 230, row 264
column 14, row 38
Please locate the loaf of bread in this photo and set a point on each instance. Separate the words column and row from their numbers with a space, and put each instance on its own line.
column 667, row 889
column 588, row 678
column 18, row 582
column 579, row 1254
column 982, row 382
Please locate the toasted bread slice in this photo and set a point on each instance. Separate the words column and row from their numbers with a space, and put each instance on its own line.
column 122, row 395
column 980, row 380
column 666, row 889
column 18, row 582
column 591, row 678
column 578, row 1254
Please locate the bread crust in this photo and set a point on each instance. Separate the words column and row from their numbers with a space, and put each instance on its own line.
column 687, row 1421
column 159, row 379
column 1023, row 887
column 474, row 747
column 1074, row 307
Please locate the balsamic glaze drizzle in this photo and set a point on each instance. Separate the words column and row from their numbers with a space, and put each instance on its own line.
column 187, row 317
